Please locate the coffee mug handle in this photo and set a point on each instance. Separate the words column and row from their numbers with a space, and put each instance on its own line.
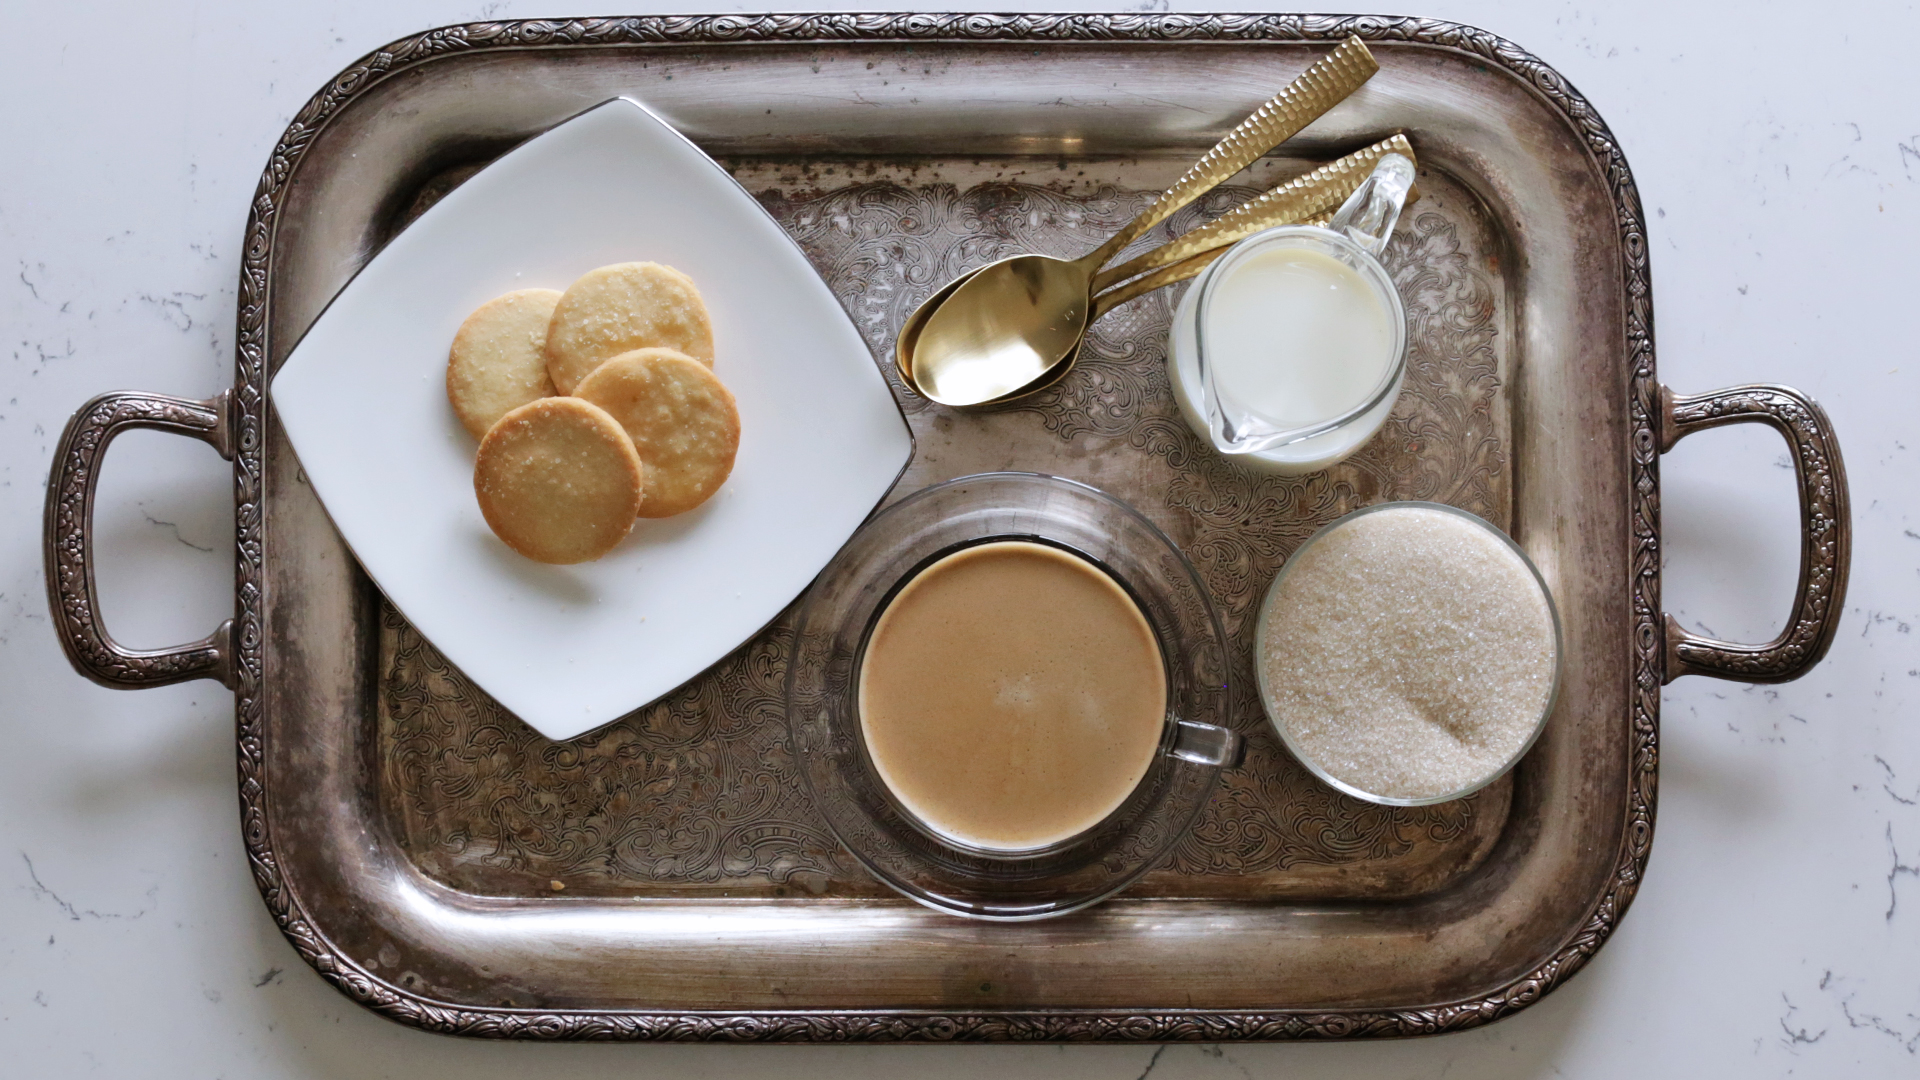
column 1368, row 216
column 1205, row 744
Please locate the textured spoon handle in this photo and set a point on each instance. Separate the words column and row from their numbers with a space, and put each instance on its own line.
column 1193, row 264
column 1317, row 193
column 1318, row 89
column 1168, row 275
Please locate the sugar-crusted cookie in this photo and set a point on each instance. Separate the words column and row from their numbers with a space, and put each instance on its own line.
column 499, row 361
column 620, row 308
column 681, row 418
column 558, row 480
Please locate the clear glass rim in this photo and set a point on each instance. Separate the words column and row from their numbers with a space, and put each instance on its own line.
column 1312, row 765
column 1169, row 715
column 1369, row 267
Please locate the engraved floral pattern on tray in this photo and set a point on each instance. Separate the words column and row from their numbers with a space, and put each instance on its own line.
column 698, row 792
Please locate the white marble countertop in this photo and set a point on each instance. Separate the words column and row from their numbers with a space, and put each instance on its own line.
column 1778, row 930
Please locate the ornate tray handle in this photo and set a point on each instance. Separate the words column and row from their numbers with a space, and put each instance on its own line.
column 1826, row 533
column 69, row 540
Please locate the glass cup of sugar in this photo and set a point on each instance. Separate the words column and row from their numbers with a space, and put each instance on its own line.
column 1289, row 351
column 1409, row 653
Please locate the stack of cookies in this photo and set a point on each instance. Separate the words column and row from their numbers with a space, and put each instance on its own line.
column 593, row 407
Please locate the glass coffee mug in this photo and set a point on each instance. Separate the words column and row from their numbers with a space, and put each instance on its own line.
column 823, row 697
column 1288, row 352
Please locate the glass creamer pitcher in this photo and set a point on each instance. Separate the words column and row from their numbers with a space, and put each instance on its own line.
column 1290, row 350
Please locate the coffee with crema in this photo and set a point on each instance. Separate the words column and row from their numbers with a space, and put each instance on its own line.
column 1012, row 695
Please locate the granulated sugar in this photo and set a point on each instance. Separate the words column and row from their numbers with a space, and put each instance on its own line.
column 1408, row 652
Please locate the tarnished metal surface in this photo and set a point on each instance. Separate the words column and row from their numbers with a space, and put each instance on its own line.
column 422, row 832
column 698, row 794
column 408, row 837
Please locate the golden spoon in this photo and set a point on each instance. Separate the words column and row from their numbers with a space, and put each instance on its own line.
column 1306, row 199
column 1009, row 323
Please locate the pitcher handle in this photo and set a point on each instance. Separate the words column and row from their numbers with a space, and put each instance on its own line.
column 1370, row 213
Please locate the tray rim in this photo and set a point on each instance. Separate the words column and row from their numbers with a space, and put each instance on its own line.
column 921, row 1025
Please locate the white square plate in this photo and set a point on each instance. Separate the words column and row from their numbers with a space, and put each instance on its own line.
column 569, row 648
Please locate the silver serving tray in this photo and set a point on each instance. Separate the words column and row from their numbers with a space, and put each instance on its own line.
column 408, row 836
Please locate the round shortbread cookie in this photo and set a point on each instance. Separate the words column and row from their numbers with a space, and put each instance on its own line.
column 558, row 480
column 620, row 308
column 681, row 419
column 499, row 358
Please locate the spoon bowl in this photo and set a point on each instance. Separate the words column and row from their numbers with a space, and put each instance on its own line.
column 910, row 336
column 1050, row 379
column 998, row 329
